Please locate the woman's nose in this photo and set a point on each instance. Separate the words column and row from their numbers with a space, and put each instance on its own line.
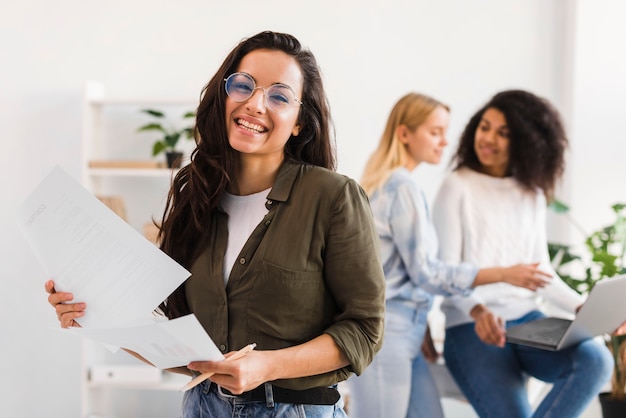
column 489, row 136
column 256, row 102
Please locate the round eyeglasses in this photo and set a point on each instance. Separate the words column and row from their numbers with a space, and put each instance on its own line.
column 278, row 97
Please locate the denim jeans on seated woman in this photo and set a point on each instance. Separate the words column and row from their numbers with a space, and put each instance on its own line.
column 494, row 379
column 204, row 401
column 398, row 383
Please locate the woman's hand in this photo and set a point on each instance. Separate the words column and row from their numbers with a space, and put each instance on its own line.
column 528, row 276
column 66, row 312
column 428, row 347
column 237, row 376
column 316, row 356
column 489, row 327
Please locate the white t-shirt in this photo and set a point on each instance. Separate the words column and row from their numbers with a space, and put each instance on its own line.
column 244, row 214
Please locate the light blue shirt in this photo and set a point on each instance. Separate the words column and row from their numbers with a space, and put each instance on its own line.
column 409, row 245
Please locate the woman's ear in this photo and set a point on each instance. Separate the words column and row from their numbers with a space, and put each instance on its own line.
column 401, row 133
column 296, row 130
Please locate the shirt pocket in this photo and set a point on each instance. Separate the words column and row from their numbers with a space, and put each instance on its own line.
column 287, row 305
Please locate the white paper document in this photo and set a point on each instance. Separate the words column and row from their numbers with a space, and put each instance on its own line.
column 166, row 344
column 122, row 277
column 91, row 252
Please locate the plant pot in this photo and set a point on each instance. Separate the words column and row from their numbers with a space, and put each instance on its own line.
column 174, row 159
column 612, row 407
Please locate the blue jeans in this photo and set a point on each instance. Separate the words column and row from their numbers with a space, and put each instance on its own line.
column 494, row 379
column 204, row 401
column 398, row 383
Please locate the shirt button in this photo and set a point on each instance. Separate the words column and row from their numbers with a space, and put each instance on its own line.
column 267, row 223
column 223, row 347
column 269, row 202
column 242, row 260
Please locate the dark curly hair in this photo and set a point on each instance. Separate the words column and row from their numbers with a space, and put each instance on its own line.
column 198, row 187
column 537, row 140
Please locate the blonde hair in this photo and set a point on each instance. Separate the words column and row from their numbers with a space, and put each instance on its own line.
column 411, row 111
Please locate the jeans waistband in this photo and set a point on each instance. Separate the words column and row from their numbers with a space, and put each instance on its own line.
column 270, row 394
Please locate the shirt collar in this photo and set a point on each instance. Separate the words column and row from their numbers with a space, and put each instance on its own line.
column 284, row 182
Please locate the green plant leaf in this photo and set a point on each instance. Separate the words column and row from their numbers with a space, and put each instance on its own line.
column 152, row 127
column 188, row 132
column 153, row 112
column 172, row 139
column 563, row 253
column 606, row 248
column 618, row 207
column 158, row 148
column 580, row 286
column 171, row 136
column 558, row 207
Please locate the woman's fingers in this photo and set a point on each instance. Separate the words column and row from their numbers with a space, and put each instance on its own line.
column 540, row 278
column 529, row 276
column 59, row 297
column 490, row 329
column 66, row 312
column 536, row 282
column 49, row 285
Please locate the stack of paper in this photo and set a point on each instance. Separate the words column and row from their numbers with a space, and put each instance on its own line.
column 122, row 277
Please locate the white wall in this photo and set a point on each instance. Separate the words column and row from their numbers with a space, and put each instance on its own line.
column 371, row 53
column 597, row 168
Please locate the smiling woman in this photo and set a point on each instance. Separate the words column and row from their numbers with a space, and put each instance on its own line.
column 274, row 239
column 260, row 120
column 492, row 143
column 492, row 209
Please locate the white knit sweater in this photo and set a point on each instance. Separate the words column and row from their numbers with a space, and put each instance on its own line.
column 495, row 222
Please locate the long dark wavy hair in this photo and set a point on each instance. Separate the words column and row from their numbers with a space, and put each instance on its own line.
column 537, row 140
column 198, row 187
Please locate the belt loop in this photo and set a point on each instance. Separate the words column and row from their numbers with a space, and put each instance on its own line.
column 269, row 395
column 207, row 386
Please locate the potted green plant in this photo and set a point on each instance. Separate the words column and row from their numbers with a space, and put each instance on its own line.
column 170, row 136
column 605, row 259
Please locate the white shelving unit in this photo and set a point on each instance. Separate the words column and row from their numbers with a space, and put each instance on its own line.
column 109, row 133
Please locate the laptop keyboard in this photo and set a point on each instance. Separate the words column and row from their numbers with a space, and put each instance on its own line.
column 550, row 336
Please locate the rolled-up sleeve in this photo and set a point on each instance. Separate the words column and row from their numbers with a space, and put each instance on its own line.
column 354, row 276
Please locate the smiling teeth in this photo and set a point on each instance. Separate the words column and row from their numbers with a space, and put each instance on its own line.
column 251, row 126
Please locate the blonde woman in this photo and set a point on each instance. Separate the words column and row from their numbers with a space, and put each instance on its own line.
column 398, row 383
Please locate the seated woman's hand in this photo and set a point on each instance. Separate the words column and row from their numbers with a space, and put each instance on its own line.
column 528, row 276
column 489, row 327
column 66, row 312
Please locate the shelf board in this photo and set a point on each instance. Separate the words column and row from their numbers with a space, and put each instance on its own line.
column 142, row 102
column 169, row 381
column 131, row 172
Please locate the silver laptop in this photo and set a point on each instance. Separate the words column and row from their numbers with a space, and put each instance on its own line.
column 602, row 313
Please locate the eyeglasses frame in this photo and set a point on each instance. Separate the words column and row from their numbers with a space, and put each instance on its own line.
column 258, row 87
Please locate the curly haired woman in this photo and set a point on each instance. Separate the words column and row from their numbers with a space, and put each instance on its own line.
column 492, row 210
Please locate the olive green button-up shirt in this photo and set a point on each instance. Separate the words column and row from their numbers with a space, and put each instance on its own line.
column 312, row 266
